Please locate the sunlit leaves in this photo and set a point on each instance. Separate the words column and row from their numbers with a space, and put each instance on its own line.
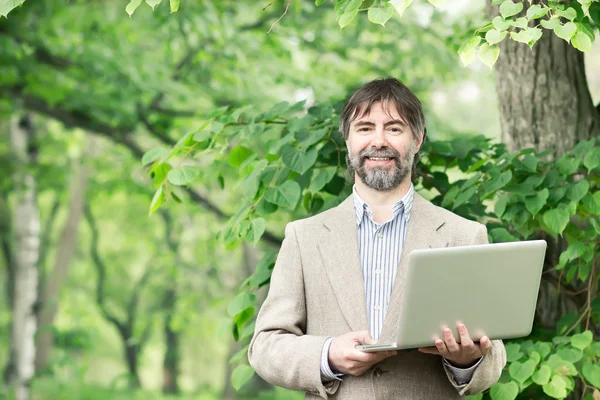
column 566, row 31
column 132, row 6
column 401, row 5
column 298, row 160
column 509, row 8
column 7, row 6
column 380, row 15
column 582, row 42
column 468, row 51
column 489, row 54
column 174, row 5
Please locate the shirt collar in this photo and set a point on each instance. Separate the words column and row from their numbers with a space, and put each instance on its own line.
column 404, row 204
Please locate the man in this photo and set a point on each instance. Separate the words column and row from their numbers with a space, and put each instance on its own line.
column 338, row 277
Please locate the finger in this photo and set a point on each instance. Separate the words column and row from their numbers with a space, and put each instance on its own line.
column 451, row 344
column 363, row 337
column 442, row 348
column 465, row 338
column 485, row 344
column 429, row 350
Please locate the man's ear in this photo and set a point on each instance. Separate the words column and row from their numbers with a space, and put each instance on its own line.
column 420, row 141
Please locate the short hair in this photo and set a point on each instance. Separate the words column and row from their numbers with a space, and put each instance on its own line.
column 386, row 91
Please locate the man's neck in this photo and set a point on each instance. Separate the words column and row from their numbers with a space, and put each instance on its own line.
column 378, row 200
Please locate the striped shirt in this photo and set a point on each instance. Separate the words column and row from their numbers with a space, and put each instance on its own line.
column 380, row 247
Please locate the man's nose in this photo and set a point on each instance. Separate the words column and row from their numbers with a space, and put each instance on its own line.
column 379, row 139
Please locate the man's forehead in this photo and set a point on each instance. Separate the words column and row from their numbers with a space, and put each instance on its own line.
column 363, row 112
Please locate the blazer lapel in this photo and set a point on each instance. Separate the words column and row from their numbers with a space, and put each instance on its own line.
column 339, row 249
column 422, row 233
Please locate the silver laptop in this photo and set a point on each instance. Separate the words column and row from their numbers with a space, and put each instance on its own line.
column 491, row 288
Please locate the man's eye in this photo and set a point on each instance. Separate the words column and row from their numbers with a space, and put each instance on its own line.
column 395, row 130
column 364, row 129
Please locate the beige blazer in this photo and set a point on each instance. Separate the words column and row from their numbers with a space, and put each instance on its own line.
column 317, row 291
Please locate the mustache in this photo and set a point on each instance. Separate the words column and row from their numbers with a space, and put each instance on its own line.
column 387, row 152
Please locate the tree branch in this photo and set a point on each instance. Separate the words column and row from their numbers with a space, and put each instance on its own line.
column 101, row 269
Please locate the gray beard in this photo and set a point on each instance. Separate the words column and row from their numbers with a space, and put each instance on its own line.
column 383, row 179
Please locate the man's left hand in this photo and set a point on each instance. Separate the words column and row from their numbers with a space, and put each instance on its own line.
column 461, row 355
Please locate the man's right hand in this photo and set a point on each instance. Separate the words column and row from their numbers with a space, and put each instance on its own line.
column 344, row 357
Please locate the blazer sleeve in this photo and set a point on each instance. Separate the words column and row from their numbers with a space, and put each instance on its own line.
column 280, row 351
column 489, row 370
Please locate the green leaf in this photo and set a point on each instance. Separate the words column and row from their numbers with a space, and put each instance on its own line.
column 530, row 163
column 529, row 35
column 500, row 206
column 297, row 160
column 592, row 159
column 508, row 8
column 489, row 54
column 496, row 183
column 556, row 388
column 551, row 23
column 321, row 177
column 157, row 200
column 536, row 203
column 570, row 354
column 566, row 31
column 380, row 15
column 568, row 13
column 560, row 366
column 592, row 202
column 131, row 7
column 152, row 155
column 556, row 220
column 401, row 5
column 577, row 191
column 543, row 348
column 262, row 274
column 464, row 196
column 183, row 175
column 591, row 372
column 504, row 391
column 468, row 51
column 436, row 3
column 238, row 155
column 256, row 230
column 319, row 2
column 153, row 3
column 536, row 11
column 582, row 340
column 240, row 303
column 542, row 376
column 513, row 352
column 347, row 17
column 582, row 42
column 239, row 356
column 520, row 23
column 286, row 195
column 500, row 24
column 567, row 165
column 174, row 5
column 241, row 374
column 501, row 235
column 520, row 372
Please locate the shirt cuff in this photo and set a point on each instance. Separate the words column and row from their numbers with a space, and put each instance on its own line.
column 462, row 375
column 326, row 373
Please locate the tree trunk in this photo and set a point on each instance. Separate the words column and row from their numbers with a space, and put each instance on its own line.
column 49, row 293
column 172, row 353
column 543, row 95
column 27, row 229
column 131, row 351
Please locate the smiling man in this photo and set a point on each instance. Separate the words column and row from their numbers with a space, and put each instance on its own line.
column 334, row 283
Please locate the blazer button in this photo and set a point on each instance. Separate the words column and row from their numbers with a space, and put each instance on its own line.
column 377, row 372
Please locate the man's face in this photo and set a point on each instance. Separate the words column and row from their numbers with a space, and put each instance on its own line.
column 381, row 148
